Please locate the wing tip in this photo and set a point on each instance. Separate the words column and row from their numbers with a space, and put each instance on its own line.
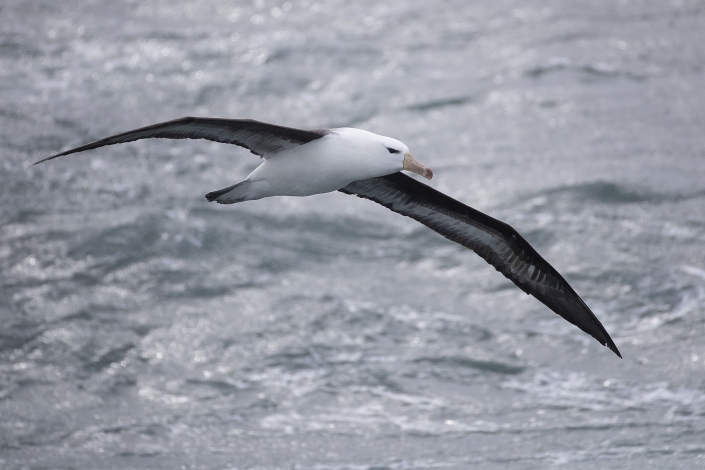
column 612, row 347
column 90, row 146
column 47, row 158
column 600, row 334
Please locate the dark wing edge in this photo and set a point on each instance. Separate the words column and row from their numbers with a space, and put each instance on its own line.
column 496, row 242
column 257, row 137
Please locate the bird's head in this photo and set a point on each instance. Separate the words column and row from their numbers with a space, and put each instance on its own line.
column 400, row 152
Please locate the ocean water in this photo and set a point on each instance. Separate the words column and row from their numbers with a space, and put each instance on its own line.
column 144, row 328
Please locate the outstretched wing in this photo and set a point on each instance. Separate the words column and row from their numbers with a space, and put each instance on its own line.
column 259, row 138
column 496, row 242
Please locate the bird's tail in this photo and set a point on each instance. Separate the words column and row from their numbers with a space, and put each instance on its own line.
column 231, row 194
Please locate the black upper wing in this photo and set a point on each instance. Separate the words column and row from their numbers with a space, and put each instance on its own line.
column 259, row 138
column 496, row 242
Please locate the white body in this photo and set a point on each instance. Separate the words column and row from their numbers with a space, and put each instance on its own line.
column 323, row 165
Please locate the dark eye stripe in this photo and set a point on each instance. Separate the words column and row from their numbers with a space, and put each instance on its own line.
column 392, row 150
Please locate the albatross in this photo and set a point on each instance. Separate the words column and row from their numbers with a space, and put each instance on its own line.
column 301, row 162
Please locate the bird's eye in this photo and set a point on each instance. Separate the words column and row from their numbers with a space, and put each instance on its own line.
column 391, row 150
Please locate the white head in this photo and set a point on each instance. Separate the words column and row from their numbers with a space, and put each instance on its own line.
column 386, row 154
column 399, row 151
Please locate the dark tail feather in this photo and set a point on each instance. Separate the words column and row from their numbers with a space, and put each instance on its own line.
column 222, row 196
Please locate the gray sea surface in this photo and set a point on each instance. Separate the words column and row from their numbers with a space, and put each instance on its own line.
column 144, row 328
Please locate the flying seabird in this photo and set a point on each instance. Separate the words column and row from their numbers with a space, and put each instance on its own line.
column 300, row 162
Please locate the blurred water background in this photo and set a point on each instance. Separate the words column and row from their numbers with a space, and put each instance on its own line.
column 142, row 327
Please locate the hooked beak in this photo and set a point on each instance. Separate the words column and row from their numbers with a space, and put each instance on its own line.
column 413, row 166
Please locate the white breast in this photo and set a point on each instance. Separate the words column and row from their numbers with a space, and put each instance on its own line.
column 323, row 165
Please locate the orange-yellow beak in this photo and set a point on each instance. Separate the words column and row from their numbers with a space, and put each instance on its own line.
column 412, row 165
